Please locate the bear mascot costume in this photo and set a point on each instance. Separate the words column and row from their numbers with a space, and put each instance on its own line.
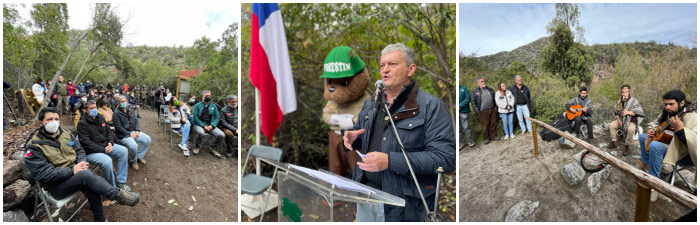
column 346, row 80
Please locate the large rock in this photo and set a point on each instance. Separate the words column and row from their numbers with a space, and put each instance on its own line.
column 596, row 180
column 521, row 210
column 14, row 216
column 566, row 144
column 18, row 155
column 14, row 194
column 12, row 171
column 573, row 173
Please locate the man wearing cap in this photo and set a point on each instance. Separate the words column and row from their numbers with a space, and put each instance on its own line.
column 424, row 126
column 346, row 79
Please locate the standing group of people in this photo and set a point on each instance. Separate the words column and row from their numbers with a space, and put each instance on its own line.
column 487, row 103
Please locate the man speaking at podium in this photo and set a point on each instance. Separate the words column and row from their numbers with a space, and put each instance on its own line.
column 425, row 128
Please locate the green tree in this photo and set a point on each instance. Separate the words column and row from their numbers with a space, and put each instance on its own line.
column 51, row 21
column 564, row 58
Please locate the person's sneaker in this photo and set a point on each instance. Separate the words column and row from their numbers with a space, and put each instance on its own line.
column 135, row 165
column 186, row 152
column 486, row 142
column 472, row 144
column 182, row 146
column 229, row 155
column 215, row 153
column 123, row 186
column 142, row 161
column 506, row 138
column 512, row 136
column 522, row 133
column 461, row 146
column 127, row 198
column 195, row 150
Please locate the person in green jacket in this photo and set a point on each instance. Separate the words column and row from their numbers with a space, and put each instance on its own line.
column 464, row 98
column 206, row 119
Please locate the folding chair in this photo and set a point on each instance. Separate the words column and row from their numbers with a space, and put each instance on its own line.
column 163, row 113
column 682, row 164
column 173, row 131
column 47, row 199
column 254, row 184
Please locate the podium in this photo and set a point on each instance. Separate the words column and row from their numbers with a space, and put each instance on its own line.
column 307, row 195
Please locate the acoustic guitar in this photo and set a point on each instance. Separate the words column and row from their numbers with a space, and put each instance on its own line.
column 571, row 115
column 665, row 132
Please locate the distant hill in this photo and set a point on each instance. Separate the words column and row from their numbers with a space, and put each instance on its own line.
column 603, row 54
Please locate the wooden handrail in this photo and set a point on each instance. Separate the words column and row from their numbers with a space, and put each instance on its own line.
column 646, row 179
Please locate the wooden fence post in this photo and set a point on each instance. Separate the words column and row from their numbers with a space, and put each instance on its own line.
column 642, row 203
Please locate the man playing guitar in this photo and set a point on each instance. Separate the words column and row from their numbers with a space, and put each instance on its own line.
column 578, row 109
column 681, row 118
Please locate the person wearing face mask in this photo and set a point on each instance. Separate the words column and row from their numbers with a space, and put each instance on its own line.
column 206, row 120
column 191, row 103
column 134, row 103
column 88, row 85
column 129, row 132
column 75, row 99
column 39, row 90
column 229, row 123
column 101, row 146
column 71, row 88
column 81, row 109
column 57, row 160
column 178, row 112
column 104, row 110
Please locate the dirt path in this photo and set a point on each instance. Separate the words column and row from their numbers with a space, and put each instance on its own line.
column 495, row 177
column 170, row 175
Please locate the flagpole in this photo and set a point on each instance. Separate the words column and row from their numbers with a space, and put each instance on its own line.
column 257, row 128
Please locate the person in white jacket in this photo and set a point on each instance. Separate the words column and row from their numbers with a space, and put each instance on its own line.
column 505, row 103
column 178, row 113
column 39, row 90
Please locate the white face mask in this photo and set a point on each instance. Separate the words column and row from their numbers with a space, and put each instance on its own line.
column 52, row 127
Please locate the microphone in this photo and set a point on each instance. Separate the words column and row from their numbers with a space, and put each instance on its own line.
column 379, row 87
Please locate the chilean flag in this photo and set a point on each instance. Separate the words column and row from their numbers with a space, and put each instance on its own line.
column 270, row 70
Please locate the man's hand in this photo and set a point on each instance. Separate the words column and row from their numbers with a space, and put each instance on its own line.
column 584, row 109
column 108, row 148
column 374, row 162
column 619, row 122
column 80, row 167
column 207, row 128
column 676, row 123
column 573, row 110
column 350, row 137
column 134, row 134
column 651, row 133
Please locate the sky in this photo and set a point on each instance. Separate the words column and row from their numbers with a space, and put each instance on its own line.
column 486, row 29
column 161, row 23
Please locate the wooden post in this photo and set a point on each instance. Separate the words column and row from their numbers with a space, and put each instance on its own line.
column 642, row 203
column 534, row 137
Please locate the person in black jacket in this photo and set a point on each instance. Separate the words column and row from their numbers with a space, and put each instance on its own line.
column 229, row 123
column 100, row 145
column 58, row 163
column 129, row 132
column 522, row 104
column 484, row 105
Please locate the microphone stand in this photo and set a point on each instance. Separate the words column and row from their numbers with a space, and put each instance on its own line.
column 428, row 216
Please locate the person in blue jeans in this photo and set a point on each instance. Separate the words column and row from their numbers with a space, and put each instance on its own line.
column 505, row 102
column 129, row 132
column 179, row 122
column 99, row 143
column 521, row 93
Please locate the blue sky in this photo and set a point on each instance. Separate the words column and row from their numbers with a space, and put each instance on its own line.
column 490, row 28
column 160, row 23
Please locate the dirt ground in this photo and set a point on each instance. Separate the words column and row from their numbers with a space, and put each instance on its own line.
column 207, row 184
column 496, row 176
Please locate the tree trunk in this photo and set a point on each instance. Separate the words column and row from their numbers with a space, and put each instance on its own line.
column 60, row 70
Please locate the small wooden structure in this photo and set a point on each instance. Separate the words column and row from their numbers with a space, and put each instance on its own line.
column 184, row 83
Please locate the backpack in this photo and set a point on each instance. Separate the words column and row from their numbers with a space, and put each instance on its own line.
column 562, row 123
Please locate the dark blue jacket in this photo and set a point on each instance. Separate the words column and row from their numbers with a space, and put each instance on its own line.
column 123, row 121
column 425, row 127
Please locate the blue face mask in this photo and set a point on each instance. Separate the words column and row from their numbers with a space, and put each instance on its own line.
column 123, row 105
column 93, row 112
